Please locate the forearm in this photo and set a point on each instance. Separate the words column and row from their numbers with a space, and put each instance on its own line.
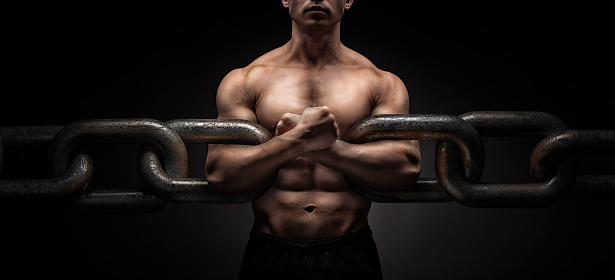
column 384, row 165
column 235, row 169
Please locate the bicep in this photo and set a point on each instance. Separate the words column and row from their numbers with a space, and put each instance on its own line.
column 233, row 101
column 393, row 98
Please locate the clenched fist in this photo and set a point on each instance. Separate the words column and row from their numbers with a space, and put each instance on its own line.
column 316, row 127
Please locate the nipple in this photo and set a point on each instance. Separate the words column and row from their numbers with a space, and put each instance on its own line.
column 309, row 209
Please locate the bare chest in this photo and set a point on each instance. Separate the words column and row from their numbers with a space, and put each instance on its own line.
column 349, row 98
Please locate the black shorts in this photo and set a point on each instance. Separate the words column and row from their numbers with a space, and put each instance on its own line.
column 352, row 256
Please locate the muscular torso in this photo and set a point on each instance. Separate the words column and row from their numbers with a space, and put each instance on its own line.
column 308, row 200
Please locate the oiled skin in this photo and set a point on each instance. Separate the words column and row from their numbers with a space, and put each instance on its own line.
column 308, row 93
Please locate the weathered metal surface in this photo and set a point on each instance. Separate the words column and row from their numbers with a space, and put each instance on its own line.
column 62, row 187
column 418, row 127
column 150, row 132
column 508, row 123
column 514, row 123
column 118, row 201
column 205, row 132
column 25, row 136
column 229, row 131
column 459, row 159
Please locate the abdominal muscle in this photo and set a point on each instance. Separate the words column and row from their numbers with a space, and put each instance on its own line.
column 309, row 201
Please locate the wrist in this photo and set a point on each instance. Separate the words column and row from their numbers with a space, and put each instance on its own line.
column 294, row 140
column 326, row 153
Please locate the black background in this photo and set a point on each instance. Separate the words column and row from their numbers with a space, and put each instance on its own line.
column 65, row 63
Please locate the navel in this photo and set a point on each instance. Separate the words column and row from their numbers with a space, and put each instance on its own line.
column 309, row 209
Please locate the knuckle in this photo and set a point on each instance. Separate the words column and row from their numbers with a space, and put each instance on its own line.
column 326, row 113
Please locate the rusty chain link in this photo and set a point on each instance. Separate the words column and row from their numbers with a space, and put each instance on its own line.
column 542, row 191
column 459, row 156
column 174, row 189
column 423, row 127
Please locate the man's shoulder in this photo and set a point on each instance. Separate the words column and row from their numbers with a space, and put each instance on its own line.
column 249, row 73
column 261, row 66
column 382, row 82
column 366, row 67
column 375, row 76
column 250, row 77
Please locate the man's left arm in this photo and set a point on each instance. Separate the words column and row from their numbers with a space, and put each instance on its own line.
column 384, row 165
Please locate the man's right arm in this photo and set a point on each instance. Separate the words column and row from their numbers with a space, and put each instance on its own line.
column 235, row 169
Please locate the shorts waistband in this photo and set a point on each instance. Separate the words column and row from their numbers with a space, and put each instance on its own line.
column 351, row 238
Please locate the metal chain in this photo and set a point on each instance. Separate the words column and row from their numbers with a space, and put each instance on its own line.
column 162, row 164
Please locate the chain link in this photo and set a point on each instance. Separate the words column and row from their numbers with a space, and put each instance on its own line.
column 422, row 127
column 174, row 189
column 459, row 156
column 540, row 192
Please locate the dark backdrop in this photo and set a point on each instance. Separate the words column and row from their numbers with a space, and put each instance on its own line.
column 65, row 63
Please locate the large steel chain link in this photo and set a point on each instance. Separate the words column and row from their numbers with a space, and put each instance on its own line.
column 543, row 190
column 459, row 156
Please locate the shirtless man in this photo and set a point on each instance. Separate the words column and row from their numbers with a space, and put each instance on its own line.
column 308, row 93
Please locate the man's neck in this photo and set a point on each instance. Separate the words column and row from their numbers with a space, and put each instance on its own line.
column 315, row 50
